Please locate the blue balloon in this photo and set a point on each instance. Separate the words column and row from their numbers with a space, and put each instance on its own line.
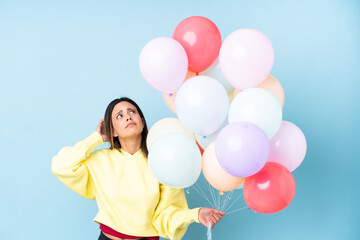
column 215, row 72
column 257, row 106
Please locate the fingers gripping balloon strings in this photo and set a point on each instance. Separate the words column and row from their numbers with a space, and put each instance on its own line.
column 227, row 203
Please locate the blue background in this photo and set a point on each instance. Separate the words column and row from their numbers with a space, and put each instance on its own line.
column 62, row 62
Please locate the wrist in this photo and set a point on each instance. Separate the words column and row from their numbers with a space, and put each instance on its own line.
column 198, row 215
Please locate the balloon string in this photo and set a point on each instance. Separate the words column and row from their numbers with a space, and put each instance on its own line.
column 208, row 234
column 215, row 196
column 227, row 198
column 200, row 189
column 211, row 193
column 236, row 210
column 233, row 202
column 204, row 196
column 222, row 205
column 218, row 202
column 201, row 194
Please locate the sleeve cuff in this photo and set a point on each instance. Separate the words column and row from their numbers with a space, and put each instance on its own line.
column 194, row 214
column 94, row 140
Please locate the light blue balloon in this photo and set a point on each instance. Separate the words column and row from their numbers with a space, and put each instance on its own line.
column 202, row 105
column 215, row 72
column 257, row 106
column 175, row 160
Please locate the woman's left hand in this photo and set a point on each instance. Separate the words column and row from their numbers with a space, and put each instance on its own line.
column 210, row 215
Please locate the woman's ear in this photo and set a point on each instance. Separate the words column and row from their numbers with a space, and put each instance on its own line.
column 115, row 134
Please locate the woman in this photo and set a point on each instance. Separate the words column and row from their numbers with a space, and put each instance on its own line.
column 132, row 203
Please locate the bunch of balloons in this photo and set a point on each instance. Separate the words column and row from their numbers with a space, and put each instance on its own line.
column 229, row 105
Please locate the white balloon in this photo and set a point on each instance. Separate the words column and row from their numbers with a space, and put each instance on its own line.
column 202, row 105
column 215, row 71
column 165, row 126
column 205, row 141
column 257, row 106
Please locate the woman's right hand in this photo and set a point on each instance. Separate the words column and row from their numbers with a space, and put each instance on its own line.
column 100, row 130
column 210, row 216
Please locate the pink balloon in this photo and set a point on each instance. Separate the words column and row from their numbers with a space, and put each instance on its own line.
column 272, row 85
column 288, row 146
column 164, row 64
column 246, row 58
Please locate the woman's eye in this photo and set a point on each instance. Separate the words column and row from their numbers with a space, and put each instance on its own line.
column 132, row 111
column 119, row 116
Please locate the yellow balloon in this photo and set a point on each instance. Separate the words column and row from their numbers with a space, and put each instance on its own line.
column 272, row 85
column 164, row 126
column 169, row 99
column 231, row 95
column 215, row 174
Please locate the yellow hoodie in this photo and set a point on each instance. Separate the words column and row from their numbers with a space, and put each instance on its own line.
column 130, row 199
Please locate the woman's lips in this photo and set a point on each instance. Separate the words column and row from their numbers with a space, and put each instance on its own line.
column 130, row 124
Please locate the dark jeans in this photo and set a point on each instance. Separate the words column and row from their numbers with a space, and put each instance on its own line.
column 103, row 237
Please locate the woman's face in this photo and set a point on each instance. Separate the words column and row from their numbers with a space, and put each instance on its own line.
column 126, row 120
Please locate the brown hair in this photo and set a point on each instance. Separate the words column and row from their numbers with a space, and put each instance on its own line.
column 108, row 125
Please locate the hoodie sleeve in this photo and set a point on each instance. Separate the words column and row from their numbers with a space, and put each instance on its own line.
column 172, row 215
column 69, row 165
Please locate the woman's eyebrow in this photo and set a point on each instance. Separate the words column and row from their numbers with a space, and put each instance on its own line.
column 126, row 109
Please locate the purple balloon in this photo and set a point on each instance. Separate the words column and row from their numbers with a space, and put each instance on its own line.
column 242, row 149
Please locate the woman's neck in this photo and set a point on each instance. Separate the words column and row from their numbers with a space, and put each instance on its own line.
column 131, row 145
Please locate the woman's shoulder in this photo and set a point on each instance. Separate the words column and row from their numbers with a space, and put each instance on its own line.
column 104, row 153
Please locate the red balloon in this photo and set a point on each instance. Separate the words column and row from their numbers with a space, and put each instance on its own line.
column 201, row 39
column 270, row 190
column 200, row 148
